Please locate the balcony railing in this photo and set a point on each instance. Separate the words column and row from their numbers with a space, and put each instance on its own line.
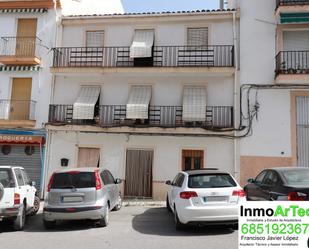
column 19, row 46
column 163, row 56
column 292, row 62
column 17, row 109
column 217, row 117
column 291, row 2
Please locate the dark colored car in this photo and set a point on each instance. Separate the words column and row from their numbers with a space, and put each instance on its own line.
column 282, row 184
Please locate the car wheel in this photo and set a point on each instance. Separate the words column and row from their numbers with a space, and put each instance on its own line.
column 168, row 206
column 178, row 225
column 49, row 224
column 36, row 205
column 1, row 191
column 104, row 221
column 119, row 204
column 19, row 222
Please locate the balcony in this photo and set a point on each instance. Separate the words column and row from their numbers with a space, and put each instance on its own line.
column 17, row 113
column 19, row 51
column 221, row 56
column 292, row 67
column 292, row 11
column 216, row 117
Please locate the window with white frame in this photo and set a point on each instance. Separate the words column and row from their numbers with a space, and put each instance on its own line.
column 197, row 36
column 95, row 38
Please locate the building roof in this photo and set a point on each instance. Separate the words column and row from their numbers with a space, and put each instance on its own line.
column 157, row 13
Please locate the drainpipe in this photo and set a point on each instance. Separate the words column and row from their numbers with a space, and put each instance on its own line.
column 235, row 97
column 221, row 4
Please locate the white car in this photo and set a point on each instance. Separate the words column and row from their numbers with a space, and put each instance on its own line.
column 204, row 197
column 17, row 196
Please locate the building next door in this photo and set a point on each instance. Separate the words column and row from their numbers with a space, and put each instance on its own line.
column 138, row 181
column 26, row 37
column 21, row 99
column 302, row 127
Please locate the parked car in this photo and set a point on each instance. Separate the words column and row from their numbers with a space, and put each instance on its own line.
column 286, row 183
column 81, row 193
column 206, row 196
column 18, row 196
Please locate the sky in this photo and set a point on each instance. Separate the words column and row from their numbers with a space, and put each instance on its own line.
column 168, row 5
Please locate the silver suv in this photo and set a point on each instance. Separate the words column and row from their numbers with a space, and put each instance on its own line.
column 81, row 193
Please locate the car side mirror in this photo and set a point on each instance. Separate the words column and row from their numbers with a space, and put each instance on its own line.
column 118, row 181
column 250, row 180
column 168, row 182
column 32, row 184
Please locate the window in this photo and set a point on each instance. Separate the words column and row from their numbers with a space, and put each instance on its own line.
column 192, row 159
column 6, row 149
column 197, row 36
column 73, row 179
column 19, row 177
column 271, row 178
column 260, row 177
column 25, row 176
column 107, row 177
column 211, row 181
column 95, row 38
column 88, row 157
column 6, row 178
column 29, row 150
column 179, row 181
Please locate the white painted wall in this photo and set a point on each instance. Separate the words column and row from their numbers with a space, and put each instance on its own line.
column 272, row 131
column 167, row 151
column 46, row 30
column 165, row 90
column 220, row 32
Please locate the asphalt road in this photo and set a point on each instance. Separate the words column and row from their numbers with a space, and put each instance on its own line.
column 130, row 228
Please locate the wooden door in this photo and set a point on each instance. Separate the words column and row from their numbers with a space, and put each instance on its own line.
column 21, row 99
column 192, row 159
column 138, row 182
column 88, row 157
column 26, row 37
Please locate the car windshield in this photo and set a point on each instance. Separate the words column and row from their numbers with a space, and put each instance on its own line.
column 299, row 177
column 73, row 180
column 211, row 181
column 6, row 178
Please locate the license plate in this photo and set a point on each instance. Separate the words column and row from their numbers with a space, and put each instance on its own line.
column 215, row 199
column 72, row 199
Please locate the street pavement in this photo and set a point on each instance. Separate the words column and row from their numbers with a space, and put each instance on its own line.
column 133, row 227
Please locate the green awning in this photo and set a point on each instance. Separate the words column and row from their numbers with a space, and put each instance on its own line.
column 42, row 10
column 294, row 17
column 19, row 68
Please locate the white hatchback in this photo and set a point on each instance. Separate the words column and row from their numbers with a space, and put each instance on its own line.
column 204, row 197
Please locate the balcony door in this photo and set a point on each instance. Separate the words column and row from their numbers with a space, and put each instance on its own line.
column 26, row 37
column 21, row 99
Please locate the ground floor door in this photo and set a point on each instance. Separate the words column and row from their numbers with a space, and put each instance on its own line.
column 27, row 156
column 302, row 126
column 138, row 181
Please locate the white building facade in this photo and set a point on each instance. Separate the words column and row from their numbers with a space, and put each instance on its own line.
column 145, row 96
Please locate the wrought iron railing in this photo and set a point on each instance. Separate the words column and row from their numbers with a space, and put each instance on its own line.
column 163, row 56
column 159, row 116
column 291, row 2
column 17, row 109
column 19, row 46
column 292, row 62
